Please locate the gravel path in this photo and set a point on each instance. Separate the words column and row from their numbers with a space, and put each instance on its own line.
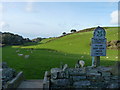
column 31, row 84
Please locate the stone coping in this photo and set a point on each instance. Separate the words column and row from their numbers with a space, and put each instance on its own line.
column 15, row 82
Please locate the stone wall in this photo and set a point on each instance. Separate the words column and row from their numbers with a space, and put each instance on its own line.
column 10, row 78
column 84, row 77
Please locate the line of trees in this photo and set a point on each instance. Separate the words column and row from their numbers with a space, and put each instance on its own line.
column 38, row 39
column 72, row 31
column 7, row 38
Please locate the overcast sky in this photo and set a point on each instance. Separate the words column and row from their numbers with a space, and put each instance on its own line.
column 51, row 19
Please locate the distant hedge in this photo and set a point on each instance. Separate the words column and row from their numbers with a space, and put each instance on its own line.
column 7, row 38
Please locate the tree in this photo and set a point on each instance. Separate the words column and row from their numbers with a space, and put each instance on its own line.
column 37, row 39
column 64, row 33
column 73, row 30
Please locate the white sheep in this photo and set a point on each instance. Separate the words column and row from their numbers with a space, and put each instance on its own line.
column 116, row 57
column 82, row 63
column 20, row 54
column 82, row 56
column 17, row 51
column 27, row 56
column 107, row 57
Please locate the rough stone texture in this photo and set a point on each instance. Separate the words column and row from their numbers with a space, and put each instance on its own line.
column 7, row 74
column 106, row 74
column 113, row 85
column 78, row 78
column 81, row 83
column 76, row 71
column 15, row 82
column 84, row 77
column 10, row 79
column 46, row 81
column 4, row 65
column 60, row 82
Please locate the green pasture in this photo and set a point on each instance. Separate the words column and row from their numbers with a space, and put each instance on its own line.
column 49, row 54
column 77, row 43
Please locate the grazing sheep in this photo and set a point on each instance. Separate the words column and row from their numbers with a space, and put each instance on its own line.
column 82, row 56
column 17, row 51
column 20, row 54
column 107, row 57
column 82, row 63
column 27, row 56
column 116, row 57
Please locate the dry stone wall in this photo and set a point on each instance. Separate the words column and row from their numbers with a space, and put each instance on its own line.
column 10, row 78
column 84, row 77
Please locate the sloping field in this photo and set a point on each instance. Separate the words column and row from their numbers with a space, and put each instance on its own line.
column 78, row 43
column 51, row 52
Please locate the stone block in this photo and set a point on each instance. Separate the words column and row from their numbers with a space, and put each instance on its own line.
column 104, row 69
column 88, row 68
column 77, row 71
column 113, row 86
column 54, row 75
column 47, row 74
column 46, row 81
column 95, row 78
column 54, row 72
column 60, row 82
column 98, row 84
column 114, row 77
column 78, row 78
column 106, row 74
column 81, row 83
column 107, row 78
column 93, row 74
column 60, row 75
column 63, row 75
column 3, row 65
column 15, row 82
column 92, row 78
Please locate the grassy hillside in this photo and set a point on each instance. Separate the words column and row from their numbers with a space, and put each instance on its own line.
column 77, row 43
column 46, row 40
column 51, row 52
column 39, row 61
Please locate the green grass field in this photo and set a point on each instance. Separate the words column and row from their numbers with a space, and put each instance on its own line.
column 49, row 54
